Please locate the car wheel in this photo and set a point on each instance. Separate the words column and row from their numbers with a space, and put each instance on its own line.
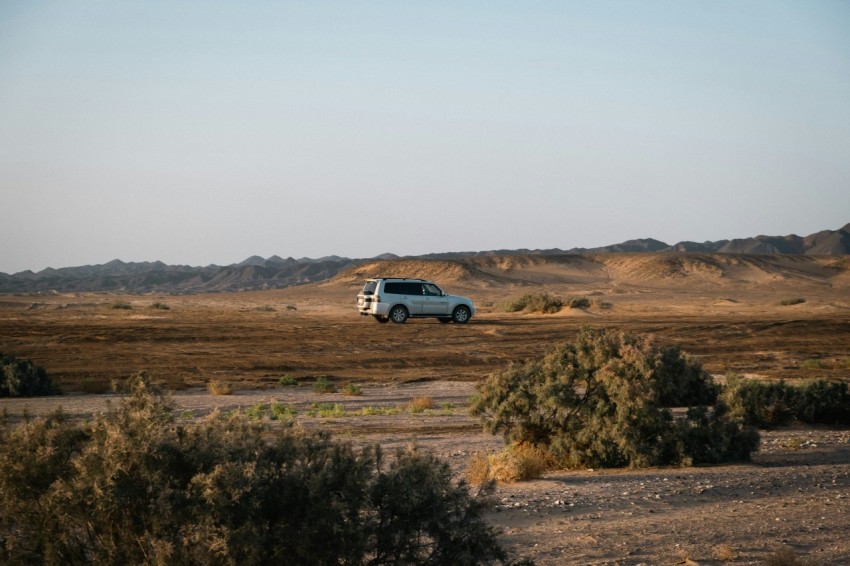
column 398, row 314
column 461, row 315
column 444, row 319
column 381, row 319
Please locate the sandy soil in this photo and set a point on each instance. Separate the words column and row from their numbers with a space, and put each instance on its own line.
column 795, row 493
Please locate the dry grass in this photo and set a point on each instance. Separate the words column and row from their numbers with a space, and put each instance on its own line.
column 518, row 462
column 220, row 388
column 420, row 404
column 725, row 552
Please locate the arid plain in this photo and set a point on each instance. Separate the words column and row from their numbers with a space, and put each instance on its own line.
column 766, row 317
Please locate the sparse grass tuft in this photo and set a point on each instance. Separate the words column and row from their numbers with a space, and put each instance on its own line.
column 160, row 306
column 220, row 388
column 379, row 411
column 327, row 410
column 420, row 404
column 604, row 305
column 324, row 385
column 281, row 411
column 122, row 305
column 266, row 308
column 287, row 381
column 812, row 364
column 792, row 301
column 352, row 390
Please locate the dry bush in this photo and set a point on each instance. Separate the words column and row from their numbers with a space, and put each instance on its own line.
column 792, row 301
column 137, row 486
column 725, row 553
column 517, row 462
column 220, row 388
column 420, row 404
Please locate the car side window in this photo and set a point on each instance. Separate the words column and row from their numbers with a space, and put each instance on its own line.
column 431, row 289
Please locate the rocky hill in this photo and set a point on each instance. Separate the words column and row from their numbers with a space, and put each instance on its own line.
column 275, row 272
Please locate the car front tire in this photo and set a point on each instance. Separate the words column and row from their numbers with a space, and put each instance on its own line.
column 461, row 315
column 398, row 314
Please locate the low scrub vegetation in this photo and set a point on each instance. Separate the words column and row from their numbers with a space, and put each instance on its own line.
column 604, row 401
column 579, row 303
column 22, row 378
column 160, row 306
column 137, row 486
column 768, row 404
column 287, row 381
column 220, row 388
column 122, row 305
column 517, row 462
column 535, row 302
column 792, row 301
column 324, row 385
column 352, row 390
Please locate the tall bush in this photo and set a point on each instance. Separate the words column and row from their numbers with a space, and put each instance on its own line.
column 137, row 486
column 603, row 401
column 22, row 378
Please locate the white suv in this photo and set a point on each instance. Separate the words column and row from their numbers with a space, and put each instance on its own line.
column 398, row 299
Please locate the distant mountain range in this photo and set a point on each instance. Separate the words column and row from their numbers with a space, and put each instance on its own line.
column 275, row 272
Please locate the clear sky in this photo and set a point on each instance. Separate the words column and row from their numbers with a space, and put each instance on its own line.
column 198, row 132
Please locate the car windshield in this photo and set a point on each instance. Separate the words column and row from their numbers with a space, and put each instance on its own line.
column 369, row 287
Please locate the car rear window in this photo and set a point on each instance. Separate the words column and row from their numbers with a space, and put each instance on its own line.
column 369, row 287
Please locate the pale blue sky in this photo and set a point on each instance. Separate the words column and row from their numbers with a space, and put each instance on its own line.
column 199, row 132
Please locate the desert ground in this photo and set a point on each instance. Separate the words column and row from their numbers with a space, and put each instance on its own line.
column 767, row 317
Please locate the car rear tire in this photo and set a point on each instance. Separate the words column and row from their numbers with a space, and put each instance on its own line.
column 381, row 319
column 398, row 314
column 444, row 319
column 461, row 315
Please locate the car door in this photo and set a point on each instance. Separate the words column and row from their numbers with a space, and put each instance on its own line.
column 434, row 301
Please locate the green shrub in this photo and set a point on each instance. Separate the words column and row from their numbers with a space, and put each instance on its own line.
column 759, row 403
column 769, row 404
column 603, row 401
column 22, row 378
column 287, row 381
column 823, row 402
column 324, row 385
column 327, row 410
column 352, row 389
column 534, row 302
column 224, row 491
column 282, row 412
